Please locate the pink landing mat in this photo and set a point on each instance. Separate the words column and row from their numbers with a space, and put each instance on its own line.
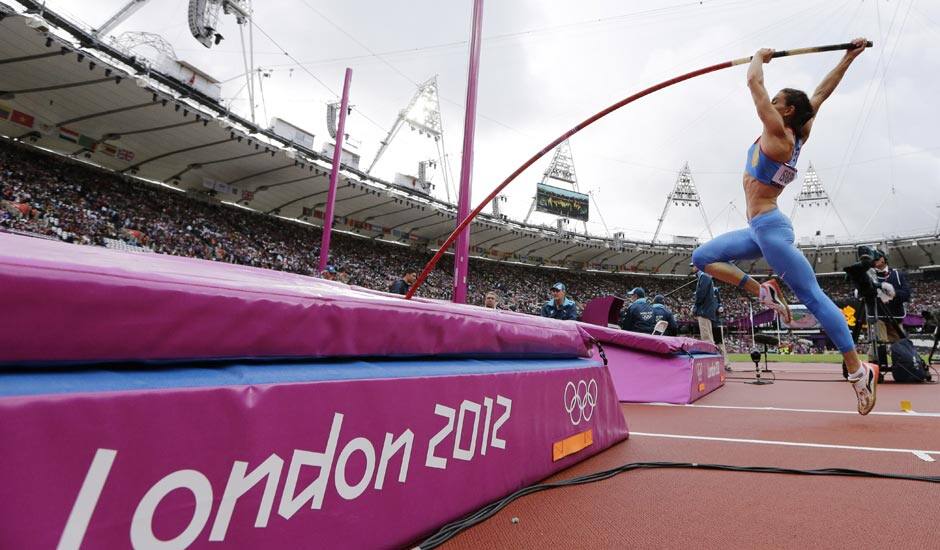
column 659, row 369
column 72, row 303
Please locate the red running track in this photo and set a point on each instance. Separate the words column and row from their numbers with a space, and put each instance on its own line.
column 813, row 427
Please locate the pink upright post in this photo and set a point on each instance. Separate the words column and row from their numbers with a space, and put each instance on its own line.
column 462, row 248
column 334, row 175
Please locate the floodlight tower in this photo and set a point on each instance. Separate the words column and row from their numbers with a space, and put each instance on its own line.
column 812, row 193
column 423, row 115
column 683, row 193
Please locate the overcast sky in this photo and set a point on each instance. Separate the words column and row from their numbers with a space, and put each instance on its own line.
column 548, row 65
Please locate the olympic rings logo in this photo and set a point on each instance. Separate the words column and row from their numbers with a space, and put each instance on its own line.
column 580, row 400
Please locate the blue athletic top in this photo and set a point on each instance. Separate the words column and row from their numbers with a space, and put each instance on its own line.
column 766, row 170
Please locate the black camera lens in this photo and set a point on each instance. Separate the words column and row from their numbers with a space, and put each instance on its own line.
column 865, row 252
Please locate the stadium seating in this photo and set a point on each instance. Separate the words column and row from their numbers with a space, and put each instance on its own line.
column 79, row 204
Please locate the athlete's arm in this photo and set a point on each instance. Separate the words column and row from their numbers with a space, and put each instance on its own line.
column 831, row 80
column 773, row 122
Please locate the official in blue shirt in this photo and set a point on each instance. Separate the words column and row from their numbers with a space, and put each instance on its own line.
column 661, row 312
column 639, row 316
column 560, row 307
column 706, row 305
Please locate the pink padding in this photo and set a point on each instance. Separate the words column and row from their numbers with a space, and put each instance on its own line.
column 666, row 345
column 66, row 302
column 333, row 464
column 641, row 377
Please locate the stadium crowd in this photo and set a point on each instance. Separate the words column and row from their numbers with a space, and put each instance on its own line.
column 65, row 200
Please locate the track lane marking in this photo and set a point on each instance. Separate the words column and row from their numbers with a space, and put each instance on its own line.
column 923, row 455
column 785, row 409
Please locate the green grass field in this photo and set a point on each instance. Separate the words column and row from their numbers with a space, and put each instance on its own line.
column 803, row 358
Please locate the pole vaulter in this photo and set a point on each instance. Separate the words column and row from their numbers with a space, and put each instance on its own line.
column 665, row 84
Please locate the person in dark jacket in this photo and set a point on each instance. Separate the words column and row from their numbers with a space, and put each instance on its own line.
column 706, row 305
column 661, row 312
column 402, row 285
column 639, row 315
column 560, row 307
column 894, row 291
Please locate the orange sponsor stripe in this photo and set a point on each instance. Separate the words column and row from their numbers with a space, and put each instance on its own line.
column 570, row 445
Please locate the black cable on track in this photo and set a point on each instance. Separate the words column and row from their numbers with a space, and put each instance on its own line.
column 450, row 530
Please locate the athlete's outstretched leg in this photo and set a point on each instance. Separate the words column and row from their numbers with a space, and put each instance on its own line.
column 713, row 257
column 774, row 233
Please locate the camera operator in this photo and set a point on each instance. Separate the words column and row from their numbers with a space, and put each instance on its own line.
column 894, row 291
column 885, row 292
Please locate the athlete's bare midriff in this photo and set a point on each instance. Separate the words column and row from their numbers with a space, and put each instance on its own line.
column 760, row 197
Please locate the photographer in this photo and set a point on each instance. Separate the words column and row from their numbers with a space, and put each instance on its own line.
column 889, row 287
column 884, row 292
column 894, row 291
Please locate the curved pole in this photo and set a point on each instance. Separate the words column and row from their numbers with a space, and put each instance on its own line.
column 466, row 221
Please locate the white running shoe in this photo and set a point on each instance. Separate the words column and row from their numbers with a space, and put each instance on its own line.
column 772, row 296
column 866, row 388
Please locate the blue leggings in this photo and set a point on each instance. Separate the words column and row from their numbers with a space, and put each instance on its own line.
column 771, row 235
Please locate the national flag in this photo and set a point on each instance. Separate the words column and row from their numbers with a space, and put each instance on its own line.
column 4, row 111
column 307, row 211
column 124, row 154
column 107, row 149
column 68, row 135
column 248, row 195
column 22, row 119
column 87, row 142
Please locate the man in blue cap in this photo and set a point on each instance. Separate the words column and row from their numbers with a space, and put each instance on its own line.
column 560, row 307
column 639, row 316
column 329, row 273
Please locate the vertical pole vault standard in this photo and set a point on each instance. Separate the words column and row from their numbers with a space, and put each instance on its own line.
column 466, row 219
column 462, row 250
column 334, row 174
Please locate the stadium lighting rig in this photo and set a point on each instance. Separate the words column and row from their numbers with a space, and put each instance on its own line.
column 684, row 193
column 422, row 115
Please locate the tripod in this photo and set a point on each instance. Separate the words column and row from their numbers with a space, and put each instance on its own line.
column 878, row 345
column 764, row 340
column 936, row 335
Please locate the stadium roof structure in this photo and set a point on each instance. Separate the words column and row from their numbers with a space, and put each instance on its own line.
column 63, row 89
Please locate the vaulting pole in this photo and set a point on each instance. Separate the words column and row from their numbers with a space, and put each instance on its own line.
column 462, row 250
column 665, row 84
column 334, row 175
